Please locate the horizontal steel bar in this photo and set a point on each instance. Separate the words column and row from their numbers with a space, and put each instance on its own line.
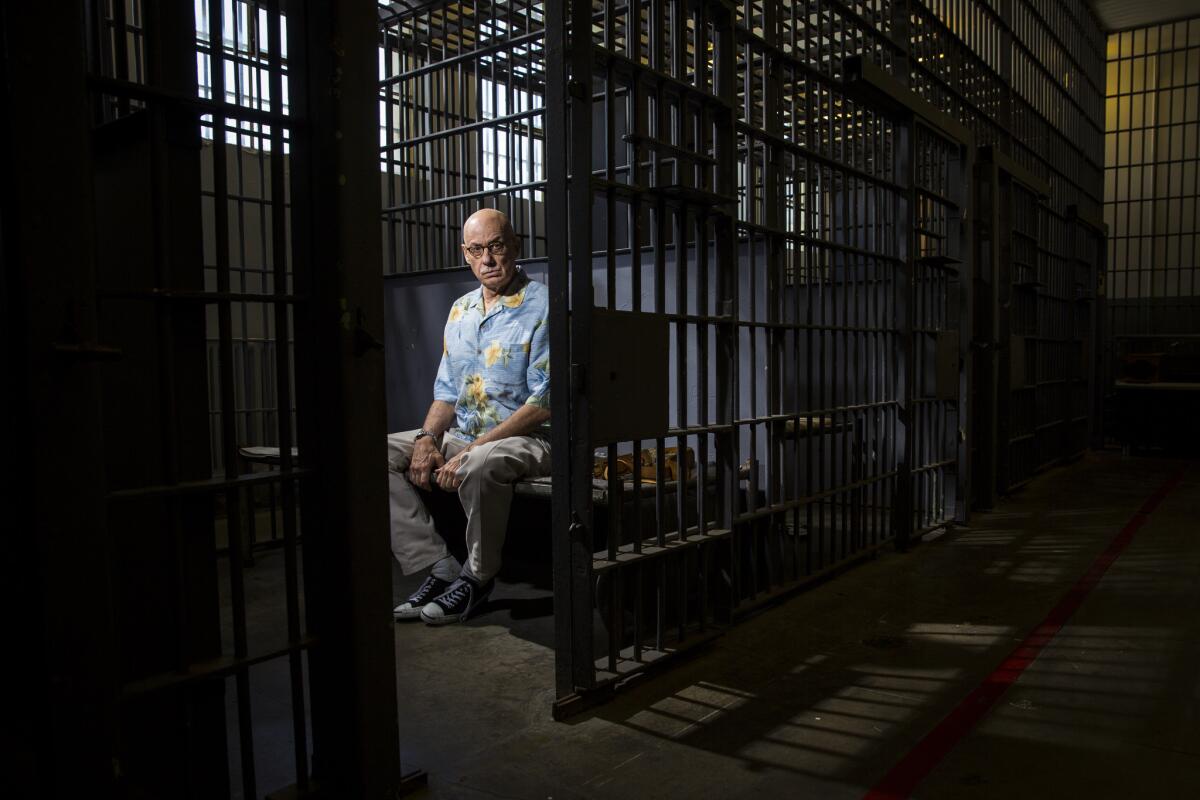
column 459, row 198
column 798, row 416
column 702, row 319
column 813, row 241
column 470, row 126
column 671, row 195
column 209, row 486
column 633, row 69
column 812, row 155
column 820, row 412
column 806, row 326
column 216, row 668
column 667, row 148
column 153, row 94
column 651, row 550
column 934, row 465
column 807, row 500
column 190, row 296
column 469, row 55
column 693, row 430
column 934, row 195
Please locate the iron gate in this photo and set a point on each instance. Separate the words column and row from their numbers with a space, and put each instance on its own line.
column 939, row 301
column 189, row 139
column 789, row 244
column 1025, row 215
column 1010, row 206
column 1046, row 324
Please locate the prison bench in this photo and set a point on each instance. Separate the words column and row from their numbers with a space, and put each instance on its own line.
column 529, row 543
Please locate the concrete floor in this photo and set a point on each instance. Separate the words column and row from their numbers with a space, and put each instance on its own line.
column 821, row 696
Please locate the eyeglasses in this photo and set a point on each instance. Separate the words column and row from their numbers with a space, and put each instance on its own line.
column 496, row 248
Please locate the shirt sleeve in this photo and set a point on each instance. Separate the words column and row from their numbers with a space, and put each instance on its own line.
column 445, row 388
column 538, row 375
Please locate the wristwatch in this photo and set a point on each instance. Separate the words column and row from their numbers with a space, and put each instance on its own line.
column 421, row 433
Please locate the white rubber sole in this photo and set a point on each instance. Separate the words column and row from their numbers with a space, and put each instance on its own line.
column 405, row 614
column 442, row 620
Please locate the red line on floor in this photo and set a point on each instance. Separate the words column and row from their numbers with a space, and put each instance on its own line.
column 921, row 760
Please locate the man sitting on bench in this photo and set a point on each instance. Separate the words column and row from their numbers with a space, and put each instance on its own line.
column 487, row 428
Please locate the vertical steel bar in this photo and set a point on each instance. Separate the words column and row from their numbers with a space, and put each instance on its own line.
column 906, row 156
column 283, row 370
column 228, row 410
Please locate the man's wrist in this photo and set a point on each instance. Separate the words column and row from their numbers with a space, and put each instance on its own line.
column 422, row 433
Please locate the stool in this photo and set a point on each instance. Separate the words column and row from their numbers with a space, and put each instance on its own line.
column 247, row 458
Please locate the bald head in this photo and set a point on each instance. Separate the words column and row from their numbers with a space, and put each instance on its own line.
column 489, row 219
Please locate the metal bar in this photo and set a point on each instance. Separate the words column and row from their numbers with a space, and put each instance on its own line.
column 475, row 55
column 572, row 668
column 282, row 314
column 121, row 50
column 725, row 150
column 218, row 297
column 479, row 195
column 229, row 445
column 906, row 156
column 156, row 95
column 335, row 248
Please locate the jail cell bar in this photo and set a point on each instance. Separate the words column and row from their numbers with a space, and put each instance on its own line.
column 1048, row 272
column 194, row 131
column 771, row 211
column 144, row 97
column 799, row 242
column 940, row 180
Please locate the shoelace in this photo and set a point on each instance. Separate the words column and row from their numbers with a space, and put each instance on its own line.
column 426, row 590
column 455, row 594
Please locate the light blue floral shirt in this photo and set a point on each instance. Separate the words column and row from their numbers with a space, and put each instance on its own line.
column 494, row 363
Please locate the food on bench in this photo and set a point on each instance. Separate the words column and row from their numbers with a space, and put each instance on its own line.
column 647, row 460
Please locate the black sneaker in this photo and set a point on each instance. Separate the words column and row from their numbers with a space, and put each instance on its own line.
column 411, row 608
column 458, row 602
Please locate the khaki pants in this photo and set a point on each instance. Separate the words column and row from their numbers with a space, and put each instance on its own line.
column 488, row 473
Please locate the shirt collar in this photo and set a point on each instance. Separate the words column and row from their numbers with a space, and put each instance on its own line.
column 512, row 299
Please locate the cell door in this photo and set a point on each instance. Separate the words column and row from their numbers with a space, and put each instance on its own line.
column 1020, row 282
column 727, row 324
column 1012, row 337
column 935, row 305
column 194, row 179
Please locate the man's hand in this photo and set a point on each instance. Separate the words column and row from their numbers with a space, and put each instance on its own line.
column 448, row 477
column 425, row 459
